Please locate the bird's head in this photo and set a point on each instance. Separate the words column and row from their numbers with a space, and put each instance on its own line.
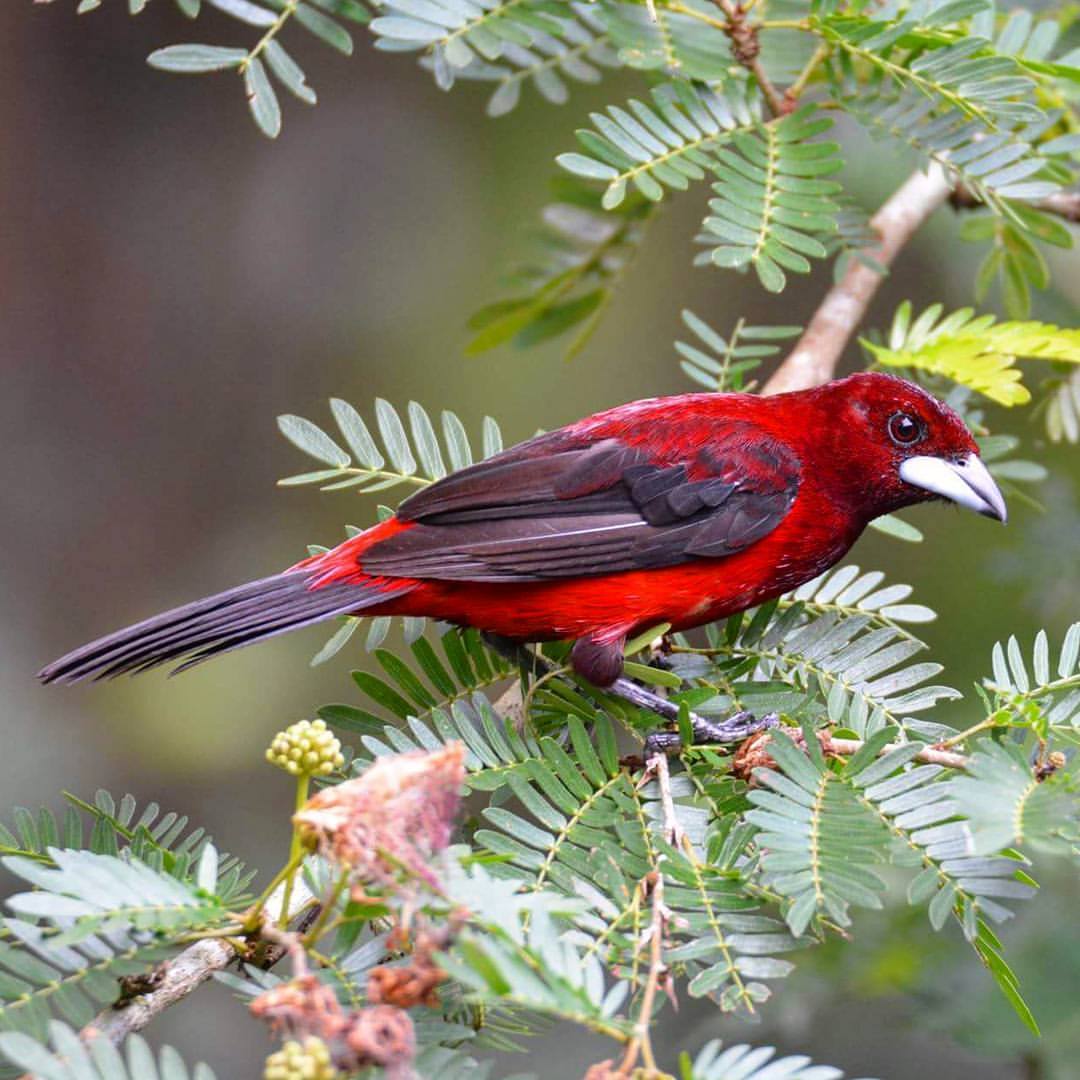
column 895, row 445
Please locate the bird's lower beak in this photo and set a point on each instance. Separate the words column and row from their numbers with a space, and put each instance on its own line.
column 966, row 482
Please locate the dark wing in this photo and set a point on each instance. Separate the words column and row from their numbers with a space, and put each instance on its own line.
column 550, row 510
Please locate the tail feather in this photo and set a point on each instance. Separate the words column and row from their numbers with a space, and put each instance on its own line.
column 217, row 624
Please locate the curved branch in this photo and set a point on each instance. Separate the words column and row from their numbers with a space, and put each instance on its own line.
column 177, row 978
column 815, row 356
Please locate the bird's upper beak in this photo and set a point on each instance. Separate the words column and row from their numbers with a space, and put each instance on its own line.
column 966, row 482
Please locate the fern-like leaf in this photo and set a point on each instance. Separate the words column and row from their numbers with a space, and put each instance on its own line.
column 677, row 43
column 495, row 750
column 161, row 840
column 994, row 167
column 83, row 893
column 721, row 939
column 822, row 855
column 582, row 253
column 516, row 952
column 720, row 364
column 665, row 144
column 821, row 847
column 1043, row 696
column 967, row 75
column 580, row 54
column 838, row 646
column 714, row 1062
column 465, row 668
column 975, row 351
column 267, row 56
column 68, row 1057
column 1007, row 803
column 772, row 203
column 1063, row 410
column 464, row 38
column 407, row 452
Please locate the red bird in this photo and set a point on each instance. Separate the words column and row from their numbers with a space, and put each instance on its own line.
column 677, row 510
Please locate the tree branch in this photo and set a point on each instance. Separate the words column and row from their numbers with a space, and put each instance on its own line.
column 184, row 973
column 754, row 753
column 815, row 356
column 745, row 49
column 1066, row 204
column 930, row 755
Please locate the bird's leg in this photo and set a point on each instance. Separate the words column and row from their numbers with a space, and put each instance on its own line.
column 734, row 728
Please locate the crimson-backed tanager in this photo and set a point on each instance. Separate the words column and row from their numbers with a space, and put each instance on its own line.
column 678, row 510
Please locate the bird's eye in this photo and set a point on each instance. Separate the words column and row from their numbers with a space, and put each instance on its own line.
column 904, row 430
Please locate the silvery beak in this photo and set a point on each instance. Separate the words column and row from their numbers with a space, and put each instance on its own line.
column 966, row 482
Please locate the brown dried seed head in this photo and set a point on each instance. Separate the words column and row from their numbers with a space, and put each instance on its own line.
column 302, row 1006
column 602, row 1070
column 752, row 754
column 413, row 984
column 381, row 1035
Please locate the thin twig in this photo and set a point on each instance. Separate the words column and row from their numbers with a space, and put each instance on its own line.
column 930, row 755
column 802, row 80
column 657, row 766
column 640, row 1045
column 815, row 356
column 1065, row 204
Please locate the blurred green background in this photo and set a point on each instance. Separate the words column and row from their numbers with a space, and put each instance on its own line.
column 170, row 281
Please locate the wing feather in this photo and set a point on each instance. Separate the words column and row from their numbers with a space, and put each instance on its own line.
column 555, row 507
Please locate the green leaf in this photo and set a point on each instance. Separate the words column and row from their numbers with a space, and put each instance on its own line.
column 245, row 11
column 261, row 98
column 324, row 28
column 977, row 352
column 664, row 144
column 897, row 528
column 67, row 1057
column 766, row 212
column 109, row 892
column 312, row 440
column 196, row 59
column 583, row 253
column 288, row 72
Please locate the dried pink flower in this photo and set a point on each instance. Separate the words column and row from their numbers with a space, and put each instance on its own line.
column 396, row 815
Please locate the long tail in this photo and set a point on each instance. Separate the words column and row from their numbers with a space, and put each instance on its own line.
column 249, row 613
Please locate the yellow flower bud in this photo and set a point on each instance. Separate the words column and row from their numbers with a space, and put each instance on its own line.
column 306, row 748
column 309, row 1060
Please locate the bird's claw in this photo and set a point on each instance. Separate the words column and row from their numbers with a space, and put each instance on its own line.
column 735, row 728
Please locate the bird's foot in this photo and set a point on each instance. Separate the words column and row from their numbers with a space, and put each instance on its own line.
column 732, row 729
column 735, row 728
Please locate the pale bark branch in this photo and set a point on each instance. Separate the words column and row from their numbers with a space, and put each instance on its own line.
column 1065, row 204
column 814, row 359
column 930, row 755
column 183, row 974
